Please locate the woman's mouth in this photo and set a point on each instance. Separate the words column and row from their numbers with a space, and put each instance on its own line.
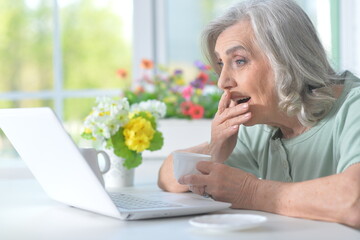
column 243, row 100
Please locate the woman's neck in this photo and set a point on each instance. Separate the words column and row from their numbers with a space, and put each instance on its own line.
column 293, row 131
column 291, row 127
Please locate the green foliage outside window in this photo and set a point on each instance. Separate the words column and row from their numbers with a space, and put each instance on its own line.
column 92, row 42
column 93, row 46
column 25, row 47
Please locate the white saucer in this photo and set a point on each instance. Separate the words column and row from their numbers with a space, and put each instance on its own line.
column 228, row 222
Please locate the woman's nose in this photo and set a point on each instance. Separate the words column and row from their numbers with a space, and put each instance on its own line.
column 226, row 80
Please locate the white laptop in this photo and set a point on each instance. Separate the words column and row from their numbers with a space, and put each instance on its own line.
column 57, row 164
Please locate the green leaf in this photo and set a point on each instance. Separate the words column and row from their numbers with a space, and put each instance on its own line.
column 109, row 144
column 87, row 136
column 132, row 98
column 157, row 142
column 132, row 158
column 118, row 142
column 133, row 161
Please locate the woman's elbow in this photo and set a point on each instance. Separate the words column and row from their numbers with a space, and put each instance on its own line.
column 172, row 187
column 351, row 213
column 353, row 219
column 168, row 183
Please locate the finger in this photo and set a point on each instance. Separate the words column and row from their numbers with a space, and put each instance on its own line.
column 197, row 190
column 233, row 112
column 207, row 193
column 231, row 127
column 232, row 103
column 193, row 180
column 236, row 121
column 204, row 167
column 224, row 101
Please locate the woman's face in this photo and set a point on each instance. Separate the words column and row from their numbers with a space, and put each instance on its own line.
column 246, row 73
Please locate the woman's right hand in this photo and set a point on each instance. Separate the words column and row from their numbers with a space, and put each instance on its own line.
column 225, row 127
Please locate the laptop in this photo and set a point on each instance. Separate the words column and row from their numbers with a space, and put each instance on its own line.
column 57, row 164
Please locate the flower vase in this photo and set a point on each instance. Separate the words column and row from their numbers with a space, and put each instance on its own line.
column 118, row 176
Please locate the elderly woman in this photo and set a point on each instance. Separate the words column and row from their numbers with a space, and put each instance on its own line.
column 286, row 136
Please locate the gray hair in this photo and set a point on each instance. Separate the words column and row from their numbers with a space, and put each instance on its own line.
column 303, row 75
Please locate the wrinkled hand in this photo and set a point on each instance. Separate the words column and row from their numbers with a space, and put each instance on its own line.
column 223, row 183
column 225, row 127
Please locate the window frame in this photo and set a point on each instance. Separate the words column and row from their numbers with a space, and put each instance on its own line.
column 149, row 22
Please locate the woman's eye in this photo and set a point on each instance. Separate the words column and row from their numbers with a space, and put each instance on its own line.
column 240, row 61
column 220, row 64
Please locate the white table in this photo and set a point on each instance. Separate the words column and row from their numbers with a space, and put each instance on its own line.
column 26, row 212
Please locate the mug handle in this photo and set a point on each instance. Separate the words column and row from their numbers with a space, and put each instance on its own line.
column 107, row 161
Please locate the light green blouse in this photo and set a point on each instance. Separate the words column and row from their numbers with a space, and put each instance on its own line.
column 329, row 147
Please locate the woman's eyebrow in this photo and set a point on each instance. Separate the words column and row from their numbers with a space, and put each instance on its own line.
column 233, row 49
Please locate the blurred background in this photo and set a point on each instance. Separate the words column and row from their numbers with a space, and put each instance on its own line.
column 64, row 53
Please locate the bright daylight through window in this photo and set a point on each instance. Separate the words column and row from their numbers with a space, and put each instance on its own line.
column 62, row 54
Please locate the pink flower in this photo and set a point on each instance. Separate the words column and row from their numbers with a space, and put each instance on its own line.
column 187, row 92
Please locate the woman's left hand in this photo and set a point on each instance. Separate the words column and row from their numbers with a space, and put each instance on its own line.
column 223, row 183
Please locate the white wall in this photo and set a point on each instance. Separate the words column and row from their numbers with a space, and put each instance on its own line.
column 350, row 35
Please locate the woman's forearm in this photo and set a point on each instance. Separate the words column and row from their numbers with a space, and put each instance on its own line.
column 166, row 179
column 334, row 198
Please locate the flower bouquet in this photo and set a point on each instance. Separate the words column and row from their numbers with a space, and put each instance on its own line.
column 126, row 130
column 192, row 100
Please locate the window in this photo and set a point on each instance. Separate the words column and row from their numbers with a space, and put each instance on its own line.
column 350, row 36
column 62, row 54
column 182, row 32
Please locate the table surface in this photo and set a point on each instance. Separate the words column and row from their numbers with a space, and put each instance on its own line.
column 26, row 212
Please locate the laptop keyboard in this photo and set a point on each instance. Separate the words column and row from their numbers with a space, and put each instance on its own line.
column 128, row 201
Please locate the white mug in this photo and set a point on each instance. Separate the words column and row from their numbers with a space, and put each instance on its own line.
column 91, row 156
column 185, row 163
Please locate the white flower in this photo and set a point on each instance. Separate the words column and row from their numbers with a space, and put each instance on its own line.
column 155, row 107
column 109, row 115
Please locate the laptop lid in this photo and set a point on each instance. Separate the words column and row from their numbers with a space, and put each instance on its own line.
column 57, row 164
column 54, row 159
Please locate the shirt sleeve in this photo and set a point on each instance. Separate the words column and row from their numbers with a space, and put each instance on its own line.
column 348, row 128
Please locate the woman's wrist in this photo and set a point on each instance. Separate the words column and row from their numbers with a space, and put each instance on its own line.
column 215, row 151
column 248, row 193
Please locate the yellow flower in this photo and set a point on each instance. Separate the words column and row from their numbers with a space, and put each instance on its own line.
column 198, row 91
column 101, row 114
column 170, row 99
column 138, row 134
column 179, row 80
column 87, row 131
column 138, row 144
column 148, row 114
